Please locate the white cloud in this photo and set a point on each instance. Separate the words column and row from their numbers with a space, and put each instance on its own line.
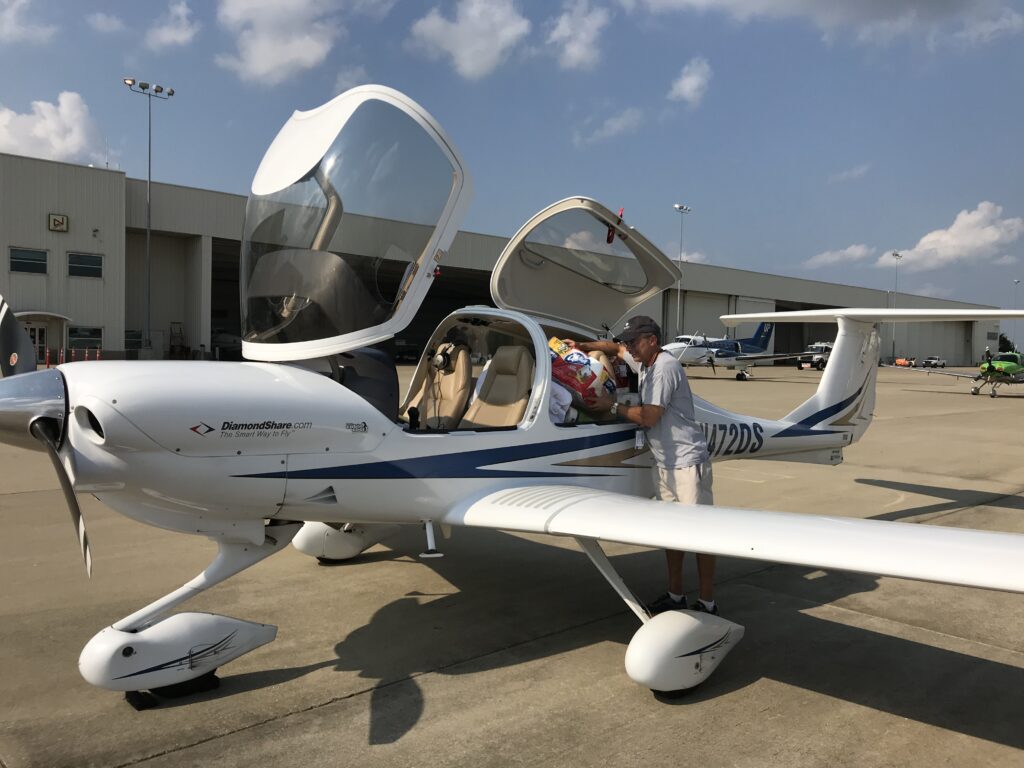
column 627, row 121
column 173, row 28
column 877, row 22
column 930, row 289
column 1005, row 260
column 692, row 83
column 15, row 27
column 983, row 30
column 62, row 131
column 376, row 9
column 576, row 33
column 481, row 37
column 695, row 257
column 277, row 40
column 851, row 253
column 105, row 22
column 973, row 237
column 857, row 172
column 350, row 77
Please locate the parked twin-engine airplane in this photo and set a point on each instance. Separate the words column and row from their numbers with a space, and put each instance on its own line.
column 736, row 354
column 351, row 210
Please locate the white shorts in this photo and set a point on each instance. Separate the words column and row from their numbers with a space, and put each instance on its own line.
column 687, row 485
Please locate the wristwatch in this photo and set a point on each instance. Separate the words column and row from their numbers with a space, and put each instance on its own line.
column 614, row 410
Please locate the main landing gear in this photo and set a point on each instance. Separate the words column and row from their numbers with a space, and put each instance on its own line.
column 332, row 543
column 180, row 654
column 674, row 650
column 992, row 393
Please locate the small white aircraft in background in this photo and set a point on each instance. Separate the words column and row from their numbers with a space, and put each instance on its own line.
column 735, row 354
column 315, row 437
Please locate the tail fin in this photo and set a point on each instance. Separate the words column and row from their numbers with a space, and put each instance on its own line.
column 845, row 398
column 762, row 336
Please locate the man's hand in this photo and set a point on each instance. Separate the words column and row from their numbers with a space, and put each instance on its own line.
column 599, row 403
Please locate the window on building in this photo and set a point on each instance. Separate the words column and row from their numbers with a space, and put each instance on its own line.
column 85, row 337
column 133, row 339
column 28, row 260
column 85, row 265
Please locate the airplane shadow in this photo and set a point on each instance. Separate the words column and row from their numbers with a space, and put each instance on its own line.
column 516, row 616
column 957, row 498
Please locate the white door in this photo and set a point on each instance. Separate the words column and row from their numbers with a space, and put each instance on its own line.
column 37, row 333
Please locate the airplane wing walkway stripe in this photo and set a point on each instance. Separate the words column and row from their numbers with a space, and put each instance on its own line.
column 965, row 557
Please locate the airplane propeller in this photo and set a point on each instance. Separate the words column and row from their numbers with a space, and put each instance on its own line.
column 711, row 356
column 18, row 353
column 33, row 410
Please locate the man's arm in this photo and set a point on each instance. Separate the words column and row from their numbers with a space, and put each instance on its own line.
column 645, row 416
column 607, row 346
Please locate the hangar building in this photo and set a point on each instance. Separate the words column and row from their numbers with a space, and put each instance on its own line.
column 74, row 266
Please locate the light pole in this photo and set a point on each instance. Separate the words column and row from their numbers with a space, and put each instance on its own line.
column 683, row 210
column 896, row 255
column 1015, row 284
column 149, row 91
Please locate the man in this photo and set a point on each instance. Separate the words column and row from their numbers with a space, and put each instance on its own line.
column 682, row 463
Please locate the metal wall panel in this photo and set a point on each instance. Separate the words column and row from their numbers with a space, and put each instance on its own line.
column 701, row 313
column 92, row 200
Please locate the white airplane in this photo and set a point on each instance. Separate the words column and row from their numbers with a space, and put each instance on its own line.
column 312, row 435
column 739, row 355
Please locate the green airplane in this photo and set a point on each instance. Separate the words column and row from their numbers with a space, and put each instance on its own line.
column 1004, row 368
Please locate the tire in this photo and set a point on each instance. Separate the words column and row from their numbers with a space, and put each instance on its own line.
column 820, row 365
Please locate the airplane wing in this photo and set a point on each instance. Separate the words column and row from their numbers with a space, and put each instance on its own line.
column 905, row 550
column 930, row 371
column 770, row 356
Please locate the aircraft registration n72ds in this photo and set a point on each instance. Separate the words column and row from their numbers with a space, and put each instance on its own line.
column 351, row 210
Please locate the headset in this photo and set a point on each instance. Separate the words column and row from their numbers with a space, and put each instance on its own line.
column 442, row 359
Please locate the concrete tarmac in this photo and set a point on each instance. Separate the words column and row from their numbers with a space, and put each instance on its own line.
column 509, row 650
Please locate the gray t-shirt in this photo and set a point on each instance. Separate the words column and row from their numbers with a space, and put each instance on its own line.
column 677, row 440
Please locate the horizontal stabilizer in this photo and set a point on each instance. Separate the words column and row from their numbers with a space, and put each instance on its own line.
column 874, row 315
column 904, row 550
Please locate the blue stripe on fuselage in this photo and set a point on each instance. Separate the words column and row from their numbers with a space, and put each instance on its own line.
column 464, row 464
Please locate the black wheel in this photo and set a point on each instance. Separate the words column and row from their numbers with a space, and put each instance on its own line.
column 821, row 365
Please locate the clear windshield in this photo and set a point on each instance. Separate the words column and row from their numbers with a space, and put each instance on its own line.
column 335, row 252
column 577, row 241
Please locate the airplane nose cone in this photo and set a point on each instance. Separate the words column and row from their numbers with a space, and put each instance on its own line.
column 27, row 397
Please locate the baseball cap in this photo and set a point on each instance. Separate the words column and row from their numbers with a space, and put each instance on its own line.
column 640, row 325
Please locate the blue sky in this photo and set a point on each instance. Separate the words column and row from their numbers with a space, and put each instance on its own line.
column 809, row 137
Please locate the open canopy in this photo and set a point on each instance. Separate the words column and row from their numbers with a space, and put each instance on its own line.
column 350, row 209
column 577, row 263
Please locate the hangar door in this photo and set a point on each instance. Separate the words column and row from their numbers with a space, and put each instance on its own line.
column 701, row 312
column 746, row 305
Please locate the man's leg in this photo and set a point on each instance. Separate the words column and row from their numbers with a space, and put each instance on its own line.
column 665, row 485
column 705, row 563
column 674, row 559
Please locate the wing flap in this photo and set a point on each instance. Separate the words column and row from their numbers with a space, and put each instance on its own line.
column 965, row 557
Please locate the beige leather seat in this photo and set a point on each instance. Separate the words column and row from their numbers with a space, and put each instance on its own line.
column 504, row 390
column 442, row 397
